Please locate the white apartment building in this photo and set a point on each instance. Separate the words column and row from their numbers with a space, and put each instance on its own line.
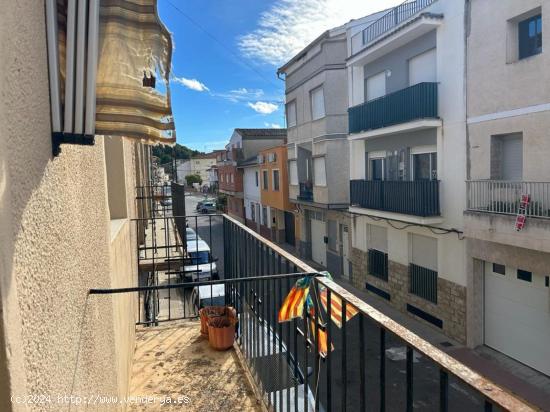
column 508, row 121
column 407, row 142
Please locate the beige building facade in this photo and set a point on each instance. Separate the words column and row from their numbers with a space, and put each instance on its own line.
column 318, row 151
column 65, row 227
column 508, row 85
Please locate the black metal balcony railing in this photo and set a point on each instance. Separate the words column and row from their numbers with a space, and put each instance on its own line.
column 413, row 103
column 378, row 264
column 418, row 197
column 306, row 192
column 393, row 18
column 423, row 282
column 288, row 370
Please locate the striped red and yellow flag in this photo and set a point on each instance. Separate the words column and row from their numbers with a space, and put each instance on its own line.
column 322, row 342
column 293, row 306
column 336, row 307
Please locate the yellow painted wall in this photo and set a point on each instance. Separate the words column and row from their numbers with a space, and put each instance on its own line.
column 277, row 199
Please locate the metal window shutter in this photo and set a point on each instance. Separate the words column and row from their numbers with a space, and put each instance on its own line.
column 512, row 159
column 424, row 251
column 377, row 238
column 423, row 68
column 376, row 86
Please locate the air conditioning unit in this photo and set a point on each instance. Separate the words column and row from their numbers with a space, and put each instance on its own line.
column 260, row 159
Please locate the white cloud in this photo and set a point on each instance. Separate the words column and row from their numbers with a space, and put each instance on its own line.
column 289, row 25
column 272, row 125
column 263, row 107
column 192, row 84
column 241, row 94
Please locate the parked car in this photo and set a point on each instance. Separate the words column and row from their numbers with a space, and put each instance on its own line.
column 201, row 202
column 208, row 207
column 191, row 235
column 208, row 295
column 200, row 265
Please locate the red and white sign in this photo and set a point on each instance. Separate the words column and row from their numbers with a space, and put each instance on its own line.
column 522, row 212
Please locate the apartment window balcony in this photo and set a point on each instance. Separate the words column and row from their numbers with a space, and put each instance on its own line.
column 412, row 103
column 418, row 198
column 503, row 197
column 306, row 192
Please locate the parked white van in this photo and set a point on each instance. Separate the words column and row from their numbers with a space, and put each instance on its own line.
column 200, row 260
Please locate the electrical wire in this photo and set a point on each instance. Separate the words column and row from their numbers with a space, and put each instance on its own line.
column 222, row 45
column 434, row 229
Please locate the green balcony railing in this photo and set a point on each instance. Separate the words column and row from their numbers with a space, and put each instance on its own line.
column 415, row 102
column 417, row 198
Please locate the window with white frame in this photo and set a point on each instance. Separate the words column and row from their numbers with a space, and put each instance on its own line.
column 232, row 178
column 293, row 169
column 376, row 165
column 424, row 163
column 317, row 103
column 276, row 180
column 319, row 172
column 291, row 114
column 252, row 211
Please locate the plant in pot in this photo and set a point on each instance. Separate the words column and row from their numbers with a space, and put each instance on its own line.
column 221, row 329
column 207, row 312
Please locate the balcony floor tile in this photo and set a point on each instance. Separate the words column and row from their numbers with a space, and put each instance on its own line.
column 175, row 361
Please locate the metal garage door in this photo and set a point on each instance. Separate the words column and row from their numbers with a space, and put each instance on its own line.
column 318, row 247
column 517, row 315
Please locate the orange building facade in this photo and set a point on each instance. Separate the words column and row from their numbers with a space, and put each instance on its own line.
column 277, row 217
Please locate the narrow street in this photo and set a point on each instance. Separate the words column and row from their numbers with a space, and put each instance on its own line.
column 426, row 380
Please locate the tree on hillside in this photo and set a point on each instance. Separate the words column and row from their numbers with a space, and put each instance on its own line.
column 166, row 153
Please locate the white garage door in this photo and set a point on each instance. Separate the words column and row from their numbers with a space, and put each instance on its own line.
column 318, row 248
column 517, row 315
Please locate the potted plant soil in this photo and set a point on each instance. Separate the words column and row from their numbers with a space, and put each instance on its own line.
column 207, row 312
column 221, row 330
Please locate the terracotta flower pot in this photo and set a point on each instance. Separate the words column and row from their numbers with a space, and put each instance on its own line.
column 214, row 311
column 207, row 312
column 221, row 332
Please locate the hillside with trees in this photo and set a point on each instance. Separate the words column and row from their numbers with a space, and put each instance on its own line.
column 166, row 153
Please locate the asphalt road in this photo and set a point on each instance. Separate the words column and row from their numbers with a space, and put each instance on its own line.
column 209, row 228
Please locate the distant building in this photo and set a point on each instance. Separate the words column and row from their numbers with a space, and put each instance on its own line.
column 197, row 165
column 243, row 144
column 277, row 217
column 251, row 189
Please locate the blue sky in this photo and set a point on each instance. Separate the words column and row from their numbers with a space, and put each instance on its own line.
column 224, row 72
